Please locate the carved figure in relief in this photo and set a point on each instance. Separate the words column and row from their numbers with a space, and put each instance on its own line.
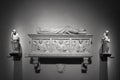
column 54, row 46
column 80, row 46
column 67, row 45
column 73, row 46
column 34, row 45
column 61, row 46
column 41, row 46
column 47, row 45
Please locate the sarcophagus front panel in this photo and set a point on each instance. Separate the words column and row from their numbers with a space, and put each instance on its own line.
column 60, row 44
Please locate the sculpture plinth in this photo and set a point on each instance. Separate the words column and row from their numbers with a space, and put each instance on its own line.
column 60, row 46
column 104, row 55
column 104, row 66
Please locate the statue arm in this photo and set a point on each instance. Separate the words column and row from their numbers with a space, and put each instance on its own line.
column 107, row 39
column 11, row 38
column 18, row 37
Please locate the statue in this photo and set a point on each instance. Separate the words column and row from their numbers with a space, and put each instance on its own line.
column 105, row 42
column 61, row 30
column 15, row 41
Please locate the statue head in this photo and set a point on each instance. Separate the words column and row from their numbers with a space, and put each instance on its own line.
column 14, row 31
column 60, row 42
column 106, row 32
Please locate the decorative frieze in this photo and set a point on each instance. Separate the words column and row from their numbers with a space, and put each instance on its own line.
column 63, row 45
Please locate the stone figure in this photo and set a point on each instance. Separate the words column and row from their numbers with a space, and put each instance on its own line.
column 61, row 46
column 105, row 42
column 15, row 39
column 61, row 30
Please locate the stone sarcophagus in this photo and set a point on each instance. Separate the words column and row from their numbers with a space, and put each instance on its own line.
column 60, row 45
column 52, row 45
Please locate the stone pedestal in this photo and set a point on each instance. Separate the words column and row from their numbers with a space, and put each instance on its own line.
column 103, row 75
column 17, row 73
column 18, row 70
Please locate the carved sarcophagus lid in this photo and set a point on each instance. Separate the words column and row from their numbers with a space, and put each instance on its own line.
column 60, row 45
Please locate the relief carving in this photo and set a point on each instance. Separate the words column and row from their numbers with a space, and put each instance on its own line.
column 63, row 46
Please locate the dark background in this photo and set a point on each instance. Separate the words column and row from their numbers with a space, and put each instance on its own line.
column 96, row 16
